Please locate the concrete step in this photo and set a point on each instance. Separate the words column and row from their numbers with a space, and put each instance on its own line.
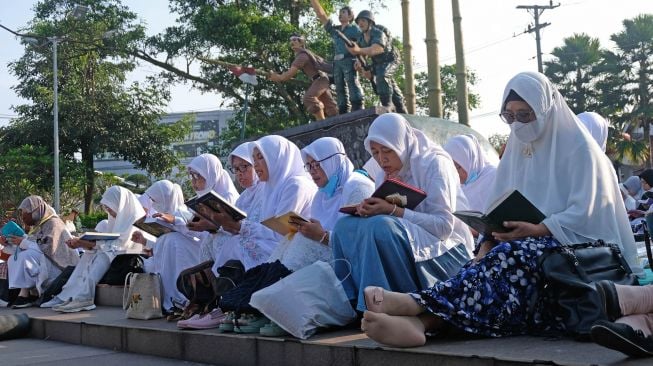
column 107, row 295
column 106, row 327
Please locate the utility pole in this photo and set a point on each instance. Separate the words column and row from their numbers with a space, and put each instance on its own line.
column 409, row 93
column 433, row 62
column 461, row 69
column 537, row 10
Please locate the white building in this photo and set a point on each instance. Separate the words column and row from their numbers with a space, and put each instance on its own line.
column 205, row 132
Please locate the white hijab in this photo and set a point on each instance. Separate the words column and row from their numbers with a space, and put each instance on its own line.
column 597, row 127
column 127, row 208
column 166, row 197
column 481, row 168
column 217, row 179
column 250, row 194
column 285, row 169
column 338, row 167
column 563, row 172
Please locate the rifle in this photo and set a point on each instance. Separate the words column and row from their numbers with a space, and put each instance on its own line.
column 359, row 58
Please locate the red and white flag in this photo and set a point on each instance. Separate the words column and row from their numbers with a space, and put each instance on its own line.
column 245, row 74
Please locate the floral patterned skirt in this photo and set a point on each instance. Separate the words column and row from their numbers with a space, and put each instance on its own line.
column 496, row 296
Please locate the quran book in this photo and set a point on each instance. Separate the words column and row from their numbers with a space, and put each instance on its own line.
column 512, row 207
column 281, row 224
column 154, row 226
column 216, row 203
column 93, row 236
column 396, row 192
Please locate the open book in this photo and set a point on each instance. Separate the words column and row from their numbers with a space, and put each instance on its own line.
column 396, row 192
column 511, row 207
column 216, row 203
column 154, row 226
column 282, row 225
column 93, row 236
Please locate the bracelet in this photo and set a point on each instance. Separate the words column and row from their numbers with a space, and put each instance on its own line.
column 324, row 236
column 392, row 213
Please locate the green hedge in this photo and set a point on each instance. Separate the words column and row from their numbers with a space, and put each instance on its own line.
column 89, row 221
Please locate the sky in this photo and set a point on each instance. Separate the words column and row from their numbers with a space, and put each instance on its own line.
column 496, row 47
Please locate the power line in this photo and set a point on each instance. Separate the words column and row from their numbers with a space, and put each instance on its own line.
column 537, row 10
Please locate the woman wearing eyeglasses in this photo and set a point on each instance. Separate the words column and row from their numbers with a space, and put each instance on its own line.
column 39, row 256
column 78, row 293
column 558, row 167
column 394, row 247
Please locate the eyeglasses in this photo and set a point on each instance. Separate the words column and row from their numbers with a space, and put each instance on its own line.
column 316, row 163
column 520, row 116
column 195, row 176
column 239, row 168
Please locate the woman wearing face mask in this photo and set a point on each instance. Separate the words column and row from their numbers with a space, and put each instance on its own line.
column 38, row 257
column 78, row 293
column 476, row 168
column 558, row 167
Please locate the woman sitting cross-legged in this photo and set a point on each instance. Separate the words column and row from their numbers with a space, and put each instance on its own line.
column 41, row 255
column 78, row 293
column 557, row 166
column 394, row 247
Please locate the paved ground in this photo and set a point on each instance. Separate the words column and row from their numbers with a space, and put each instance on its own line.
column 27, row 351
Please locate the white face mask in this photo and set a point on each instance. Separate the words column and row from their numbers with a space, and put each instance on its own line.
column 525, row 132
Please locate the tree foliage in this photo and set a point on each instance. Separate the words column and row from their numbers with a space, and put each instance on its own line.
column 449, row 97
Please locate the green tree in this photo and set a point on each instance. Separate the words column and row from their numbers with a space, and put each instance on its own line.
column 498, row 141
column 573, row 70
column 97, row 112
column 625, row 86
column 449, row 99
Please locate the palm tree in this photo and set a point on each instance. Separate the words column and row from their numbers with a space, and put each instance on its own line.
column 572, row 71
column 627, row 73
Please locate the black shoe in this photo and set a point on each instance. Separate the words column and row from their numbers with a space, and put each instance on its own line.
column 609, row 299
column 21, row 302
column 623, row 338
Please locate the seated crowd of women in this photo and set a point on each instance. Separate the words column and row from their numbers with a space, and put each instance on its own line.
column 408, row 271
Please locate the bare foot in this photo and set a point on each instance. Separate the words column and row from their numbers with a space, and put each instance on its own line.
column 392, row 330
column 392, row 303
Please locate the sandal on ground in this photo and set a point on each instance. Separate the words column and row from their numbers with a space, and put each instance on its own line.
column 273, row 329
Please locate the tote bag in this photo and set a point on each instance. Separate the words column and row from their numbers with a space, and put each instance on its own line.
column 307, row 299
column 141, row 296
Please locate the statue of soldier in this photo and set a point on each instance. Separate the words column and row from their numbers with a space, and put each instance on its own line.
column 349, row 93
column 317, row 99
column 377, row 44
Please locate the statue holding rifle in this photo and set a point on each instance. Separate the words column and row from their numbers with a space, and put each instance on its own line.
column 349, row 93
column 375, row 43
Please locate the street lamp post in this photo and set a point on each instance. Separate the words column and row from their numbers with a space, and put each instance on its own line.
column 55, row 112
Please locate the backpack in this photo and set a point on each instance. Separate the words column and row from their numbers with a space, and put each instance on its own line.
column 319, row 63
column 121, row 265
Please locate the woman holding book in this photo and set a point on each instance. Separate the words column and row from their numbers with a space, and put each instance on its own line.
column 552, row 161
column 338, row 185
column 399, row 248
column 475, row 167
column 174, row 251
column 39, row 256
column 78, row 293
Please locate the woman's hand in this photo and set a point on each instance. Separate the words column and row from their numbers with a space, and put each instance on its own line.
column 166, row 217
column 520, row 230
column 201, row 225
column 79, row 243
column 137, row 237
column 228, row 223
column 312, row 230
column 636, row 213
column 377, row 206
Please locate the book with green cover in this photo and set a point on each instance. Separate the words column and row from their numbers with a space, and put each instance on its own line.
column 511, row 207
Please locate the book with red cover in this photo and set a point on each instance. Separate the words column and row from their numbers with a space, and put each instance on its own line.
column 394, row 191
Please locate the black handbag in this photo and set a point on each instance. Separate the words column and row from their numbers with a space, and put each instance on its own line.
column 570, row 272
column 121, row 265
column 203, row 288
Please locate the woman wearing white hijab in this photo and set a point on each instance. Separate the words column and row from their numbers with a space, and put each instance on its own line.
column 286, row 187
column 396, row 248
column 208, row 167
column 556, row 165
column 634, row 186
column 172, row 252
column 476, row 169
column 597, row 126
column 39, row 256
column 338, row 185
column 79, row 292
